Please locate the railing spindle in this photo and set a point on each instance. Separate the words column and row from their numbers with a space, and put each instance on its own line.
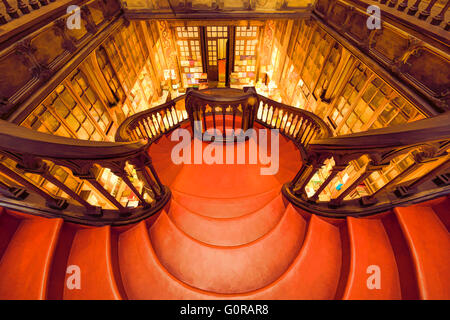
column 23, row 7
column 426, row 13
column 34, row 4
column 334, row 172
column 12, row 12
column 412, row 11
column 440, row 17
column 402, row 6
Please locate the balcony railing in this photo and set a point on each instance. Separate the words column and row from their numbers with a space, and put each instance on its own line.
column 431, row 11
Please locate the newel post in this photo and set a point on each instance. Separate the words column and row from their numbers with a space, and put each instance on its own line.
column 252, row 106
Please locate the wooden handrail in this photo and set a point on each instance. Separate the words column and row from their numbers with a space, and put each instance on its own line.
column 426, row 141
column 34, row 152
column 127, row 127
column 23, row 140
column 410, row 134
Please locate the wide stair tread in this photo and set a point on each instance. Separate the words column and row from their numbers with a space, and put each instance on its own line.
column 371, row 248
column 429, row 244
column 229, row 231
column 142, row 274
column 26, row 261
column 91, row 252
column 224, row 181
column 228, row 270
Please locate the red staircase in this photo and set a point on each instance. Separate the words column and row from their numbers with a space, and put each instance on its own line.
column 228, row 233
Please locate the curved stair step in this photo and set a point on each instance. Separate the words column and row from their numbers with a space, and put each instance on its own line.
column 91, row 252
column 226, row 207
column 228, row 232
column 25, row 264
column 8, row 226
column 429, row 244
column 163, row 146
column 143, row 276
column 224, row 181
column 371, row 248
column 315, row 273
column 228, row 270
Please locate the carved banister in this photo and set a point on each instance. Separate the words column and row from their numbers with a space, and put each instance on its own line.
column 427, row 140
column 389, row 138
column 34, row 152
column 150, row 117
column 299, row 125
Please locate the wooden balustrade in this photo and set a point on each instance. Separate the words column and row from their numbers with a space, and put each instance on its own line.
column 30, row 154
column 432, row 11
column 299, row 125
column 428, row 141
column 14, row 9
column 153, row 123
column 27, row 153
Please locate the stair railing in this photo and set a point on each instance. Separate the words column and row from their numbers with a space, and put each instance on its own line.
column 151, row 124
column 299, row 125
column 30, row 157
column 427, row 141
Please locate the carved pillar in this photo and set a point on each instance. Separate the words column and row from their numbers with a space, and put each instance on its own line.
column 334, row 172
column 144, row 168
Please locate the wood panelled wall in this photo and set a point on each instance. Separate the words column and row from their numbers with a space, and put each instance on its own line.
column 408, row 55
